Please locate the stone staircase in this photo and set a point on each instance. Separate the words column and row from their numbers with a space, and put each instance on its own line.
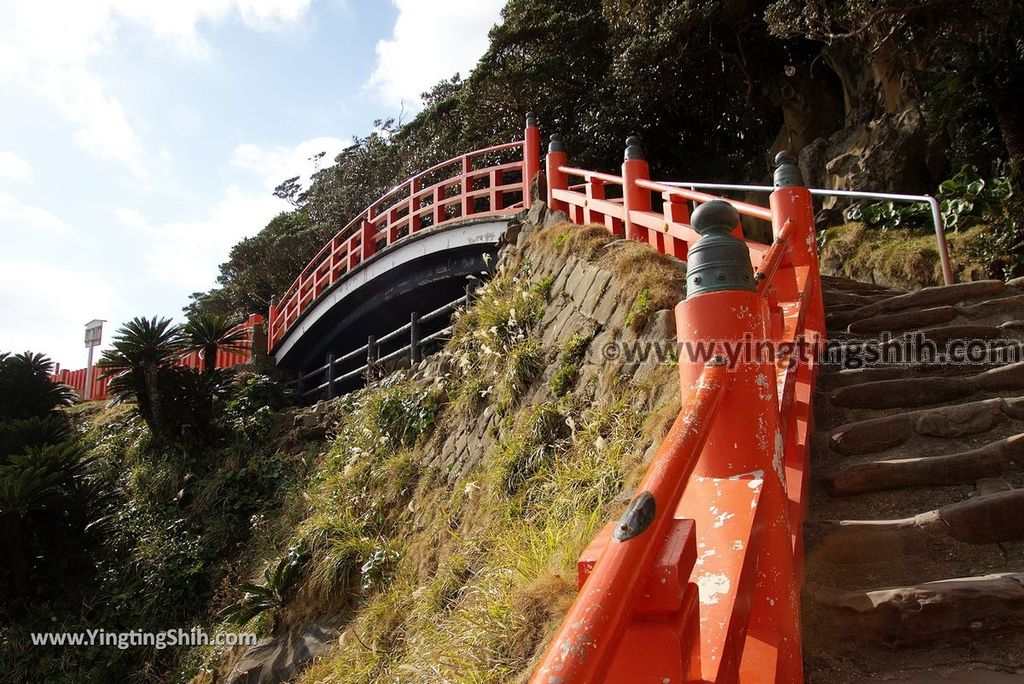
column 915, row 541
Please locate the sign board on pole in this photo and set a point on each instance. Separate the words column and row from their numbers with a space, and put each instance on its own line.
column 93, row 333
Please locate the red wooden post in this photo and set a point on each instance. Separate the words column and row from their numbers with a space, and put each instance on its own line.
column 791, row 201
column 439, row 205
column 723, row 306
column 677, row 211
column 557, row 180
column 392, row 224
column 414, row 205
column 634, row 198
column 368, row 240
column 497, row 198
column 467, row 185
column 531, row 157
column 595, row 190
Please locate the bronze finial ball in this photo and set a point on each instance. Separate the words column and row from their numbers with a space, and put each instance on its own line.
column 715, row 215
column 634, row 149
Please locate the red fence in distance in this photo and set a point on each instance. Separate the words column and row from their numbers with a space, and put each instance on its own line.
column 76, row 379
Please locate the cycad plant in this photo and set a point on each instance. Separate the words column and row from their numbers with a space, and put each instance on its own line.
column 209, row 332
column 141, row 350
column 26, row 389
column 44, row 480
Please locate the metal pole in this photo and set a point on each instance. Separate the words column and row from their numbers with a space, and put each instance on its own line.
column 87, row 394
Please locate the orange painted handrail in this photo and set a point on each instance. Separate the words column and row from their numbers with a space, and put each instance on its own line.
column 732, row 612
column 583, row 649
column 418, row 203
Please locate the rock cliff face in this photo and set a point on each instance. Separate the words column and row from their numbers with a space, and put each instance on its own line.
column 870, row 128
column 589, row 300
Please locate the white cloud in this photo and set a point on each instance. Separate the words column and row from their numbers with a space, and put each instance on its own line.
column 26, row 219
column 186, row 253
column 49, row 315
column 431, row 40
column 49, row 45
column 14, row 167
column 185, row 121
column 130, row 217
column 103, row 129
column 275, row 164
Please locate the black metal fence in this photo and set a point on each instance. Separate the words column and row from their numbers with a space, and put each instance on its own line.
column 327, row 377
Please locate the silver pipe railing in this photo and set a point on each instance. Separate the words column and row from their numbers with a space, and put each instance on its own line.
column 937, row 222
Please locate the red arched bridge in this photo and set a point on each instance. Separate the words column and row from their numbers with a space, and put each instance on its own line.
column 699, row 580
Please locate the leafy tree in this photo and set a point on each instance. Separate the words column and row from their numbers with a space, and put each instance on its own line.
column 262, row 266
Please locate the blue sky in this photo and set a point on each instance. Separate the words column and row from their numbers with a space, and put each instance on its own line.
column 140, row 139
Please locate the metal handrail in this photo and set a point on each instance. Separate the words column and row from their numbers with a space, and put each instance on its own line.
column 933, row 204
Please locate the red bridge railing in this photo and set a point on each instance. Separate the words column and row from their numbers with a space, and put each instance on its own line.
column 699, row 580
column 494, row 181
column 76, row 379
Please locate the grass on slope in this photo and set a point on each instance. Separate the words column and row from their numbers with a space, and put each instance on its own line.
column 898, row 257
column 650, row 280
column 443, row 580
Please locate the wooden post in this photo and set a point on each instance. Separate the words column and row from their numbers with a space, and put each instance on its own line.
column 330, row 375
column 368, row 242
column 415, row 353
column 467, row 186
column 371, row 357
column 531, row 157
column 635, row 198
column 557, row 180
column 414, row 206
column 298, row 388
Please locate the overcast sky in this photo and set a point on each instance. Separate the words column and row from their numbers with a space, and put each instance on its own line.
column 140, row 139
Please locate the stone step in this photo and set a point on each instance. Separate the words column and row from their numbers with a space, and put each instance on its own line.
column 987, row 461
column 903, row 320
column 877, row 434
column 828, row 381
column 943, row 610
column 1012, row 305
column 913, row 392
column 986, row 519
column 926, row 297
column 836, row 283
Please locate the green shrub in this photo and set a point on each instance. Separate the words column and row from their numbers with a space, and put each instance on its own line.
column 640, row 311
column 569, row 366
column 279, row 582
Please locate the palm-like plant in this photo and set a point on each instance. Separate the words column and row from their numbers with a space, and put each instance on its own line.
column 141, row 348
column 258, row 599
column 42, row 479
column 209, row 332
column 26, row 389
